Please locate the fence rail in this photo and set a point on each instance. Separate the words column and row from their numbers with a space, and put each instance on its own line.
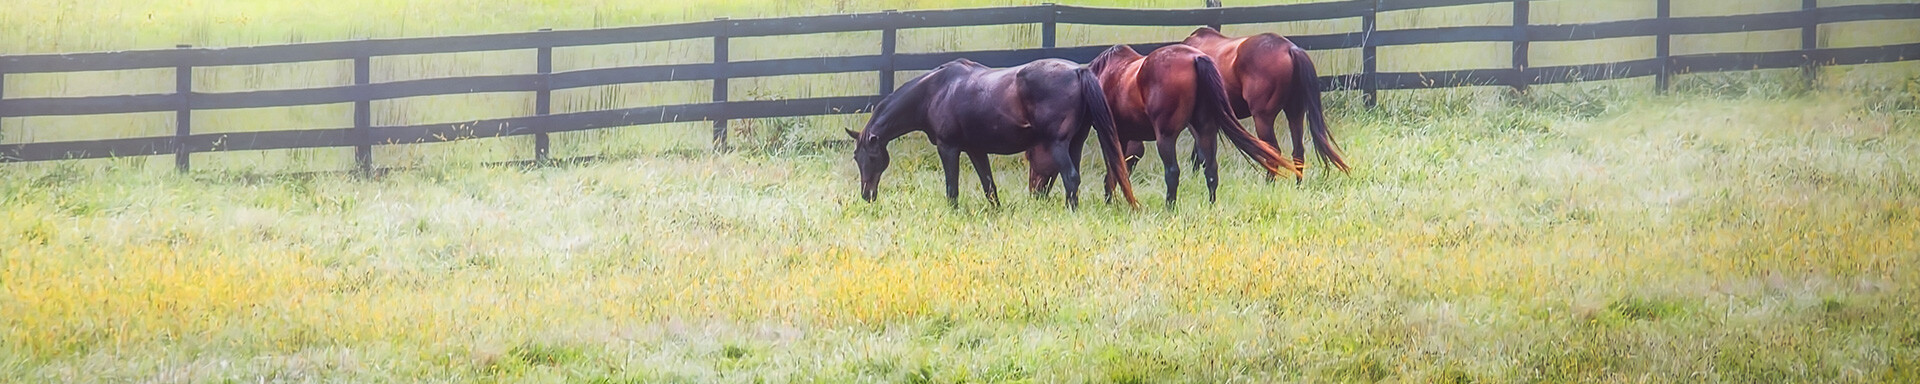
column 362, row 136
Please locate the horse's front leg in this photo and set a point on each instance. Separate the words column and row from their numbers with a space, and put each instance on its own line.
column 950, row 162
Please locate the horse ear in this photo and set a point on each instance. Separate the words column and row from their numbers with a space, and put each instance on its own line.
column 852, row 134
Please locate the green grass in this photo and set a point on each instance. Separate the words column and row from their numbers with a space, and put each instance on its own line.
column 1744, row 229
column 1725, row 238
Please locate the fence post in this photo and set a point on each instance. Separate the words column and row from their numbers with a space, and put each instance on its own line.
column 1216, row 15
column 1519, row 79
column 183, row 116
column 363, row 114
column 1663, row 12
column 1048, row 31
column 720, row 84
column 888, row 40
column 1369, row 82
column 543, row 98
column 1809, row 40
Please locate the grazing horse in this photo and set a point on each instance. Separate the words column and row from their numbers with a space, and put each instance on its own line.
column 1041, row 107
column 1265, row 75
column 1154, row 97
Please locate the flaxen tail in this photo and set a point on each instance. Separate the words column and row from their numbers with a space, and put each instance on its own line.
column 1095, row 103
column 1306, row 97
column 1212, row 105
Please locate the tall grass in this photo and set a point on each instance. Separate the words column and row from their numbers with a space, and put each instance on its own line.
column 1725, row 238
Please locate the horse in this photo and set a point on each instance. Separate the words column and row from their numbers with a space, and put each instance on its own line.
column 1154, row 97
column 1043, row 107
column 1265, row 75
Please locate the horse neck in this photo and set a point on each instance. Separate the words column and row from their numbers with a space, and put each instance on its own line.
column 900, row 113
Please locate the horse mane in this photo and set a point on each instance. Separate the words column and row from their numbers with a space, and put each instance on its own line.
column 1100, row 62
column 1206, row 31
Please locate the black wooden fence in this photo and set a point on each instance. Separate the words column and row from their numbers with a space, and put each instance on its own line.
column 363, row 136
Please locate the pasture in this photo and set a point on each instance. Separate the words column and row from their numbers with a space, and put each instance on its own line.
column 1739, row 229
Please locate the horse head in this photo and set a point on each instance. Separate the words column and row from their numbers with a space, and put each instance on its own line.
column 870, row 157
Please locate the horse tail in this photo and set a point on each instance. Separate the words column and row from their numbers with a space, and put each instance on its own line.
column 1213, row 105
column 1306, row 97
column 1094, row 103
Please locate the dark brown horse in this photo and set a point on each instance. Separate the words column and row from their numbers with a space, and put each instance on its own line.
column 1265, row 75
column 1041, row 107
column 1156, row 96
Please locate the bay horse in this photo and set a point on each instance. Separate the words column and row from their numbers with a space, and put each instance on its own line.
column 1154, row 97
column 1265, row 75
column 1042, row 107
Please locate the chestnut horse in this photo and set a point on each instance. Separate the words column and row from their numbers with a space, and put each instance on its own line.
column 1041, row 107
column 1156, row 96
column 1265, row 75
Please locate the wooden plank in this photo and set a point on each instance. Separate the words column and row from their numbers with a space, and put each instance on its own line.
column 1402, row 5
column 1369, row 73
column 802, row 25
column 1295, row 12
column 1662, row 44
column 805, row 66
column 1139, row 17
column 1809, row 41
column 975, row 17
column 1049, row 28
column 889, row 40
column 183, row 115
column 1867, row 12
column 95, row 61
column 362, row 136
column 94, row 105
column 442, row 132
column 91, row 149
column 277, row 98
column 1522, row 9
column 1443, row 35
column 720, row 53
column 1866, row 55
column 542, row 99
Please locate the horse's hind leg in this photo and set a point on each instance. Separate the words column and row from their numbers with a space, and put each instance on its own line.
column 950, row 162
column 1205, row 152
column 1296, row 122
column 1069, row 173
column 1170, row 158
column 980, row 166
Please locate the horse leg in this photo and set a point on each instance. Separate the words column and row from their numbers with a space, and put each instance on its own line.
column 1169, row 157
column 1296, row 122
column 950, row 162
column 1069, row 172
column 985, row 170
column 1204, row 153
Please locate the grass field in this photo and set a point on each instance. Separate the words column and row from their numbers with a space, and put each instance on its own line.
column 1737, row 239
column 1742, row 229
